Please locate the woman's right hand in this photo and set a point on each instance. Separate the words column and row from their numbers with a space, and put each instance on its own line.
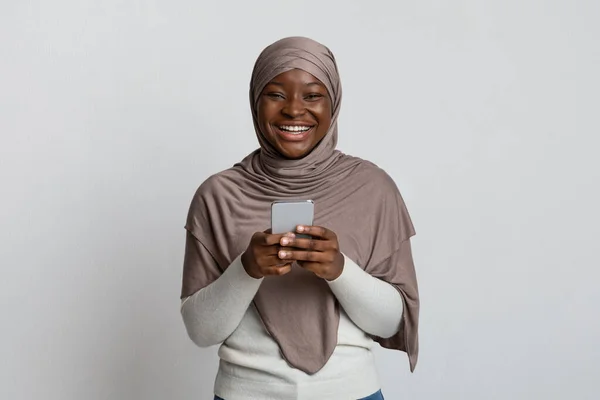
column 261, row 257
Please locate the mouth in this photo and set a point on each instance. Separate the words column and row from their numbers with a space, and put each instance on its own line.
column 294, row 132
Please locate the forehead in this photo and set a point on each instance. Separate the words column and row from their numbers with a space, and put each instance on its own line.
column 296, row 77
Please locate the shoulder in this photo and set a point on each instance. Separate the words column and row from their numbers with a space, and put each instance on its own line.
column 387, row 200
column 373, row 175
column 218, row 184
column 214, row 190
column 210, row 198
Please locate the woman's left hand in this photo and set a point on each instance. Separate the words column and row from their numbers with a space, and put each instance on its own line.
column 319, row 254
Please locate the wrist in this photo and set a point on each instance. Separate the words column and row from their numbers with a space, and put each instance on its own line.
column 338, row 269
column 248, row 264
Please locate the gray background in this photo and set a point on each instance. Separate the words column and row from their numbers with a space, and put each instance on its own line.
column 484, row 112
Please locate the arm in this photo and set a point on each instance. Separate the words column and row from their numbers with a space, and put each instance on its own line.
column 373, row 305
column 212, row 313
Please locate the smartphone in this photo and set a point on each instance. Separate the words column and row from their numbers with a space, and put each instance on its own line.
column 287, row 214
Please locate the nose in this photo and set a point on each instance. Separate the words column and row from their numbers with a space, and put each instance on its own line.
column 293, row 107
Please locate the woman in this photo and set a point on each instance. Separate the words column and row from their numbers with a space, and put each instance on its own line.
column 297, row 318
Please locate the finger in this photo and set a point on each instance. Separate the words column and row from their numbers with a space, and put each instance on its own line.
column 308, row 244
column 272, row 261
column 316, row 268
column 276, row 238
column 278, row 270
column 286, row 249
column 270, row 239
column 316, row 231
column 302, row 255
column 273, row 250
column 311, row 266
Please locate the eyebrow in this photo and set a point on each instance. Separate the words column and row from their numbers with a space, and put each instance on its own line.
column 306, row 84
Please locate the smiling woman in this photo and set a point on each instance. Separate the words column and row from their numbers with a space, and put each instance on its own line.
column 297, row 318
column 294, row 113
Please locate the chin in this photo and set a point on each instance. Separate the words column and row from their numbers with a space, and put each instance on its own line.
column 292, row 155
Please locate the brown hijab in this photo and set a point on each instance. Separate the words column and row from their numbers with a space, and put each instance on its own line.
column 353, row 197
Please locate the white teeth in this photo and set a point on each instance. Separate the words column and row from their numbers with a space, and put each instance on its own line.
column 295, row 129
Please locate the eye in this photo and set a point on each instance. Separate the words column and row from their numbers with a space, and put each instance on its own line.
column 275, row 95
column 313, row 96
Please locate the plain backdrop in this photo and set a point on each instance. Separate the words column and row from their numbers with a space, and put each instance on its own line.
column 485, row 113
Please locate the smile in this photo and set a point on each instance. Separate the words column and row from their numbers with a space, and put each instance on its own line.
column 294, row 129
column 294, row 133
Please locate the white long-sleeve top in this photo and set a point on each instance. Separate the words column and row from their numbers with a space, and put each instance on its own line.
column 252, row 366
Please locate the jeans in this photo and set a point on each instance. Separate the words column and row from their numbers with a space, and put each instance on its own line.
column 375, row 396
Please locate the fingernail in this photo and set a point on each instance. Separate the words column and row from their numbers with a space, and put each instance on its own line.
column 300, row 228
column 284, row 241
column 282, row 254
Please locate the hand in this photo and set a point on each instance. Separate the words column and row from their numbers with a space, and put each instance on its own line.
column 320, row 254
column 260, row 258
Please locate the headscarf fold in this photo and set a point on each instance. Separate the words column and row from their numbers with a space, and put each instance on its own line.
column 353, row 198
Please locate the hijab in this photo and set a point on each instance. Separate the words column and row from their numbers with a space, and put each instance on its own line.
column 353, row 198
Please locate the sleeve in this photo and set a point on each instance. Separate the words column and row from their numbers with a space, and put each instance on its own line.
column 199, row 266
column 215, row 310
column 373, row 305
column 399, row 271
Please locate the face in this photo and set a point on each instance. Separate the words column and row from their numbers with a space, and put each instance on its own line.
column 294, row 113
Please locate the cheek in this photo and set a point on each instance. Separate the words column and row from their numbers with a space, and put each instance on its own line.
column 264, row 113
column 261, row 116
column 324, row 115
column 321, row 111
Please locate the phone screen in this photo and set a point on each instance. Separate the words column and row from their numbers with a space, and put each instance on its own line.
column 286, row 215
